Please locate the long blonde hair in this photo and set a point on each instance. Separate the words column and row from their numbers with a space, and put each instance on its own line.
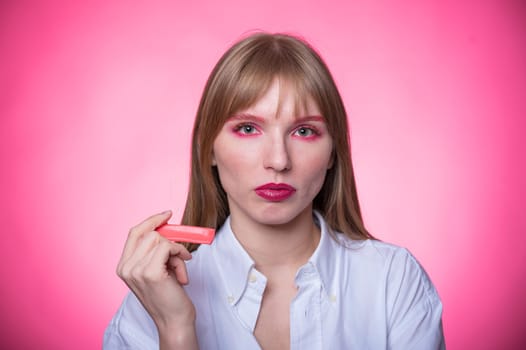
column 242, row 75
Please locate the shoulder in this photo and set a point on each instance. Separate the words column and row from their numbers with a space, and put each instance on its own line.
column 369, row 254
column 131, row 327
column 373, row 253
column 404, row 271
column 391, row 264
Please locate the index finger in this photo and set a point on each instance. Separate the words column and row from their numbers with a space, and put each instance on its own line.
column 139, row 230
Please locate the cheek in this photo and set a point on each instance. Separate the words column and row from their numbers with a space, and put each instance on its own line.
column 233, row 167
column 315, row 168
column 314, row 159
column 229, row 153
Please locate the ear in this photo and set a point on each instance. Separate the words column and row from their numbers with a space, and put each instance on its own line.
column 214, row 163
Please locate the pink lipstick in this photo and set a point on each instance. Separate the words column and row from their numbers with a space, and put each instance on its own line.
column 192, row 234
column 275, row 192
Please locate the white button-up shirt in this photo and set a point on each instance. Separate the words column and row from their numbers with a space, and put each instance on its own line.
column 351, row 295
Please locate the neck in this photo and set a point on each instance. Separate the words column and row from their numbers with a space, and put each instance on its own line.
column 276, row 247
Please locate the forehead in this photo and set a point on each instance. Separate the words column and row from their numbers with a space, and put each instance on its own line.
column 283, row 97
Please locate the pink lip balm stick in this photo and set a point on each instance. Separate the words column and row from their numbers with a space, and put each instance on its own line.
column 190, row 234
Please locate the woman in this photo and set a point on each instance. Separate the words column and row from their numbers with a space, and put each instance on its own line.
column 292, row 265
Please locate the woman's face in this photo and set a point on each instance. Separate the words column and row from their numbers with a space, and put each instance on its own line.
column 272, row 161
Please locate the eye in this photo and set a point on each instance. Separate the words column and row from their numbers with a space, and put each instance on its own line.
column 245, row 129
column 305, row 131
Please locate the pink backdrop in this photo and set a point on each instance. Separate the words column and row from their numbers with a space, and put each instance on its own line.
column 97, row 101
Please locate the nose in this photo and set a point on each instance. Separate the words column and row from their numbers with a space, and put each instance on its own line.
column 276, row 155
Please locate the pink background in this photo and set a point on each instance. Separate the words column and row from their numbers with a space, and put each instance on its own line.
column 97, row 100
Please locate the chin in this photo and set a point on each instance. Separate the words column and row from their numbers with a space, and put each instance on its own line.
column 275, row 216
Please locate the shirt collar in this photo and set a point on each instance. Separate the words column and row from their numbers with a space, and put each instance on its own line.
column 323, row 258
column 235, row 263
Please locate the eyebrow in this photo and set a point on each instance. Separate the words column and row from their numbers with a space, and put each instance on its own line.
column 245, row 116
column 257, row 119
column 311, row 118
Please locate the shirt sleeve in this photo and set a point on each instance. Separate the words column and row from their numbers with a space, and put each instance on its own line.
column 131, row 328
column 413, row 305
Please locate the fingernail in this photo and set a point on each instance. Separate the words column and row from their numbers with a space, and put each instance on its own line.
column 166, row 212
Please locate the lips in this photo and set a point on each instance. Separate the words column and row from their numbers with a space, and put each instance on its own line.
column 275, row 192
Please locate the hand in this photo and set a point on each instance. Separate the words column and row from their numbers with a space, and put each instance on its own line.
column 154, row 269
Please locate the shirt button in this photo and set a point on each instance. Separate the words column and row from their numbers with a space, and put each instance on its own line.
column 253, row 278
column 230, row 299
column 332, row 298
